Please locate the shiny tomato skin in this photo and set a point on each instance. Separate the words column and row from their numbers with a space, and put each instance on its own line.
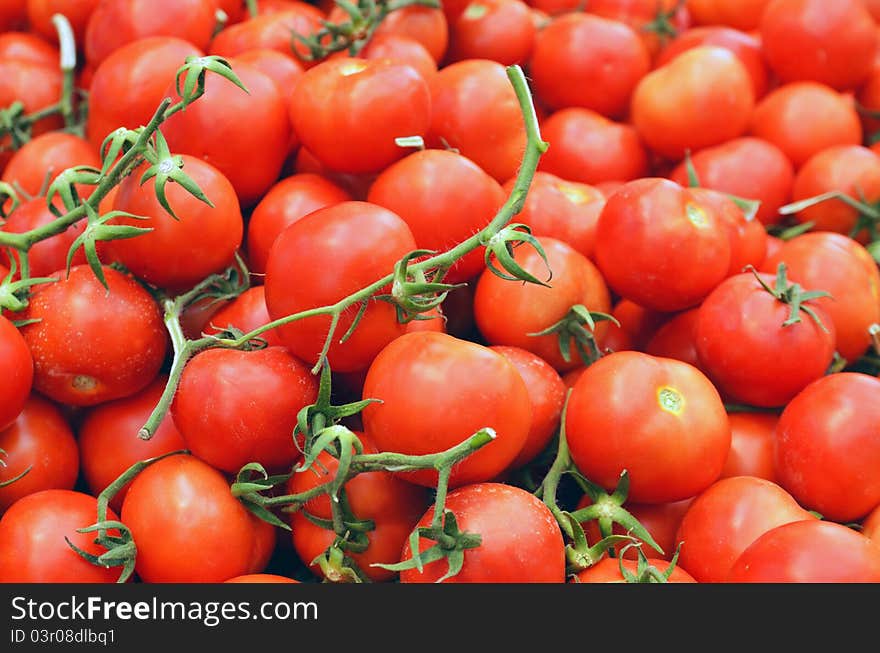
column 36, row 86
column 827, row 454
column 435, row 376
column 261, row 578
column 77, row 12
column 46, row 256
column 752, row 443
column 748, row 353
column 640, row 15
column 726, row 518
column 427, row 25
column 500, row 30
column 269, row 31
column 809, row 552
column 258, row 395
column 521, row 541
column 659, row 419
column 607, row 570
column 120, row 336
column 638, row 225
column 741, row 14
column 26, row 45
column 40, row 439
column 297, row 279
column 42, row 158
column 15, row 385
column 402, row 49
column 32, row 539
column 676, row 339
column 246, row 312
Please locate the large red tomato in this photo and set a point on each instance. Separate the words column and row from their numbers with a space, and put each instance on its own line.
column 752, row 443
column 15, row 384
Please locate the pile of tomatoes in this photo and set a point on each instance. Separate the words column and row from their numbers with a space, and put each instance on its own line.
column 672, row 359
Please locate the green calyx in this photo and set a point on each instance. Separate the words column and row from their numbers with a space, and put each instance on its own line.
column 793, row 295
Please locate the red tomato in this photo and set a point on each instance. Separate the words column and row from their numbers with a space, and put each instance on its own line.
column 41, row 159
column 637, row 322
column 24, row 45
column 120, row 336
column 42, row 440
column 13, row 14
column 46, row 256
column 283, row 69
column 15, row 385
column 500, row 30
column 831, row 43
column 474, row 110
column 753, row 437
column 507, row 519
column 427, row 25
column 748, row 238
column 842, row 267
column 444, row 198
column 247, row 312
column 109, row 444
column 588, row 148
column 36, row 86
column 747, row 350
column 269, row 31
column 642, row 16
column 40, row 14
column 510, row 313
column 364, row 241
column 401, row 49
column 607, row 570
column 701, row 98
column 187, row 525
column 809, row 552
column 803, row 118
column 750, row 168
column 660, row 419
column 581, row 60
column 261, row 578
column 826, row 439
column 257, row 397
column 115, row 23
column 637, row 228
column 741, row 14
column 426, row 382
column 726, row 518
column 677, row 339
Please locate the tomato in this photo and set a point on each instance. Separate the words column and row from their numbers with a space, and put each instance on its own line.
column 508, row 519
column 500, row 30
column 748, row 238
column 607, row 570
column 374, row 240
column 637, row 322
column 36, row 86
column 77, row 12
column 120, row 336
column 42, row 440
column 40, row 160
column 16, row 383
column 108, row 441
column 753, row 438
column 250, row 146
column 726, row 518
column 427, row 25
column 827, row 454
column 868, row 96
column 831, row 43
column 747, row 350
column 13, row 14
column 636, row 229
column 270, row 31
column 642, row 16
column 588, row 148
column 657, row 418
column 444, row 198
column 24, row 45
column 187, row 525
column 128, row 85
column 750, row 168
column 677, row 339
column 871, row 525
column 32, row 539
column 842, row 267
column 349, row 111
column 247, row 312
column 46, row 256
column 258, row 395
column 115, row 23
column 803, row 118
column 745, row 46
column 701, row 98
column 546, row 396
column 741, row 14
column 401, row 49
column 510, row 313
column 809, row 552
column 261, row 578
column 393, row 505
column 283, row 69
column 850, row 169
column 474, row 110
column 426, row 382
column 581, row 60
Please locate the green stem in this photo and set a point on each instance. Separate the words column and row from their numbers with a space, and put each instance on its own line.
column 68, row 67
column 253, row 10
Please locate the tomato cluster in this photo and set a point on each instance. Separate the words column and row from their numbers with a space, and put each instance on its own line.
column 311, row 292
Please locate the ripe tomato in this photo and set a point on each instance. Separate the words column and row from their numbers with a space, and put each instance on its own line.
column 747, row 167
column 642, row 16
column 32, row 539
column 499, row 30
column 803, row 118
column 247, row 312
column 607, row 570
column 270, row 31
column 40, row 14
column 474, row 110
column 741, row 14
column 36, row 86
column 827, row 454
column 668, row 429
column 753, row 438
column 41, row 159
column 401, row 49
column 426, row 382
column 748, row 238
column 349, row 111
column 261, row 578
column 46, row 256
column 581, row 60
column 427, row 25
column 809, row 552
column 636, row 229
column 531, row 308
column 258, row 395
column 13, row 14
column 364, row 241
column 121, row 339
column 283, row 69
column 726, row 518
column 42, row 440
column 701, row 98
column 831, row 43
column 444, row 198
column 638, row 323
column 509, row 520
column 15, row 385
column 25, row 45
column 677, row 339
column 842, row 267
